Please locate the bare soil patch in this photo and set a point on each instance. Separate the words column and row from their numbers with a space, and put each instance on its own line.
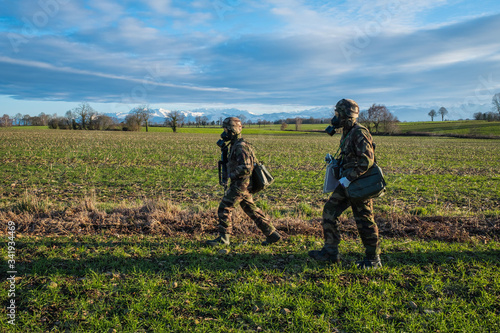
column 164, row 220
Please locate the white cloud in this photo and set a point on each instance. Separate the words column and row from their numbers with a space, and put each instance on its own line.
column 104, row 49
column 451, row 57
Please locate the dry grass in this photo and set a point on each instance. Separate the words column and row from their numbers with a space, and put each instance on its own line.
column 165, row 218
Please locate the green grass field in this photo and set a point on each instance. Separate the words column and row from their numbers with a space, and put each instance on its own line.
column 63, row 189
column 446, row 176
column 469, row 127
column 153, row 284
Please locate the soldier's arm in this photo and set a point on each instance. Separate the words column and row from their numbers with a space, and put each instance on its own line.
column 244, row 161
column 365, row 153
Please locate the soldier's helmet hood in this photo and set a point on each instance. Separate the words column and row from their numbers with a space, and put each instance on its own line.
column 347, row 108
column 233, row 125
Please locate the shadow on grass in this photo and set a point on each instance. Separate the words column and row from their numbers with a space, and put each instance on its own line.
column 129, row 257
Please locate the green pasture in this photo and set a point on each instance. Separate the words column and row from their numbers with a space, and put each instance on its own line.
column 153, row 284
column 461, row 127
column 465, row 127
column 425, row 175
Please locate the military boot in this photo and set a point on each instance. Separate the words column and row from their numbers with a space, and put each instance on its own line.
column 370, row 262
column 223, row 239
column 272, row 238
column 327, row 253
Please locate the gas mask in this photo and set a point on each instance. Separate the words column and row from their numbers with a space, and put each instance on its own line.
column 221, row 143
column 335, row 123
column 226, row 135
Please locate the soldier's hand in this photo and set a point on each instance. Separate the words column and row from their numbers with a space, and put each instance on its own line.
column 344, row 182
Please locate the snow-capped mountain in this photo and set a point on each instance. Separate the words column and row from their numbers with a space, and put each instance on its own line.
column 402, row 112
column 159, row 115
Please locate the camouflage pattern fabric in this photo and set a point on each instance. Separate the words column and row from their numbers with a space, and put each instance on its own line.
column 241, row 159
column 357, row 157
column 240, row 165
column 363, row 215
column 357, row 152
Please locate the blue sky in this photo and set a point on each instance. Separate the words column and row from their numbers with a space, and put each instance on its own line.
column 262, row 56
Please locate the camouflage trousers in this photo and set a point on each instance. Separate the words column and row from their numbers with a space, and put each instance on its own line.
column 363, row 215
column 238, row 193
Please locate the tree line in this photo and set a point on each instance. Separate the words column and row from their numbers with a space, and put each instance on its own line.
column 83, row 117
column 493, row 115
column 377, row 118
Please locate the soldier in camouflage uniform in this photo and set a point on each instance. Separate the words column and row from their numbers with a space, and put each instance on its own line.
column 357, row 156
column 240, row 166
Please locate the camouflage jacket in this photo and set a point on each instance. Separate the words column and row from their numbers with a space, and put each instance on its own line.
column 357, row 152
column 241, row 160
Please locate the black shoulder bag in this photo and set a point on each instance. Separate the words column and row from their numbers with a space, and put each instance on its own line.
column 369, row 185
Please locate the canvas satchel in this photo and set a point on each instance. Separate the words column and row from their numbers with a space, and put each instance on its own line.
column 369, row 185
column 261, row 178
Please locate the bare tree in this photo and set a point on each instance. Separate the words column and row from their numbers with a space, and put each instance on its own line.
column 197, row 119
column 26, row 119
column 390, row 122
column 376, row 114
column 86, row 113
column 44, row 119
column 496, row 102
column 379, row 114
column 489, row 116
column 143, row 113
column 5, row 121
column 364, row 119
column 18, row 118
column 93, row 115
column 443, row 112
column 70, row 116
column 204, row 120
column 432, row 113
column 174, row 119
column 298, row 123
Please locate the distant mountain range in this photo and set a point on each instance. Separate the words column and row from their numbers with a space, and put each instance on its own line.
column 159, row 115
column 403, row 112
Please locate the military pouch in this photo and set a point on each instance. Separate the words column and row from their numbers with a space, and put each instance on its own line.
column 261, row 178
column 370, row 185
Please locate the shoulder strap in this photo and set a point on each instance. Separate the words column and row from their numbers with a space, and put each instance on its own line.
column 343, row 141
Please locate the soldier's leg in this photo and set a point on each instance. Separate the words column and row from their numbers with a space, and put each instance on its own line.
column 367, row 228
column 331, row 212
column 260, row 219
column 224, row 213
column 334, row 207
column 226, row 206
